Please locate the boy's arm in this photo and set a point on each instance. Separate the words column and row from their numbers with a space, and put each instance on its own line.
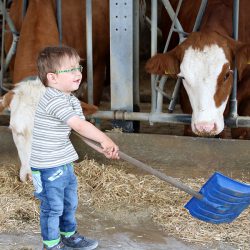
column 88, row 130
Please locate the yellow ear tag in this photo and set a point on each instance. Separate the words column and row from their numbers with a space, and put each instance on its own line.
column 166, row 73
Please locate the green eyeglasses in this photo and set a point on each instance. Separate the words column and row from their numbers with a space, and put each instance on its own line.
column 70, row 70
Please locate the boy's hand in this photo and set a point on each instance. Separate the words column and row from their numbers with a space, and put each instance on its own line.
column 88, row 130
column 110, row 149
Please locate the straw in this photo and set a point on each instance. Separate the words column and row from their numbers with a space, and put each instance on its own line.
column 113, row 189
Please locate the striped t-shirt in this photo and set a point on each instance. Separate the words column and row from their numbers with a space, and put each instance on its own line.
column 51, row 146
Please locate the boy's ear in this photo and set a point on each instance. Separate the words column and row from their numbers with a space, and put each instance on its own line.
column 51, row 77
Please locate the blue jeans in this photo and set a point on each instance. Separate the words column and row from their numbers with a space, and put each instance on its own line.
column 56, row 188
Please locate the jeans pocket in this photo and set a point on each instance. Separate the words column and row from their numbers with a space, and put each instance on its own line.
column 56, row 175
column 37, row 182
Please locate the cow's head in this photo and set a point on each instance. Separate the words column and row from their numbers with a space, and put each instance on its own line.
column 205, row 62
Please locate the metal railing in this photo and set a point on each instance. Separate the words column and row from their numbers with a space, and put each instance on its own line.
column 157, row 84
column 5, row 60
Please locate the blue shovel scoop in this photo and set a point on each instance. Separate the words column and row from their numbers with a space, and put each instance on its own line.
column 220, row 200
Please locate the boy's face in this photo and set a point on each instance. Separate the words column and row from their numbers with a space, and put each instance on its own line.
column 68, row 76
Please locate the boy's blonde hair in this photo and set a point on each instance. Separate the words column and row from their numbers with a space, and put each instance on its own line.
column 49, row 60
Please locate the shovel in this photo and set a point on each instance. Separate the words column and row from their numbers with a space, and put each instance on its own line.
column 220, row 200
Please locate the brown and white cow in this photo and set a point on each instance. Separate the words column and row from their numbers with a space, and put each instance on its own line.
column 38, row 29
column 205, row 62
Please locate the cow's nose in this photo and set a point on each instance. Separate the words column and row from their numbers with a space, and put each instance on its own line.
column 205, row 127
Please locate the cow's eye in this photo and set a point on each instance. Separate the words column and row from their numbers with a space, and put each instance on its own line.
column 181, row 77
column 226, row 76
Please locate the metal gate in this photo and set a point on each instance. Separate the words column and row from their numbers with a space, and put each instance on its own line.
column 118, row 111
column 124, row 62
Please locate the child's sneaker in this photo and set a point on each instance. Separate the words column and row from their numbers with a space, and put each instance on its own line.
column 77, row 241
column 60, row 245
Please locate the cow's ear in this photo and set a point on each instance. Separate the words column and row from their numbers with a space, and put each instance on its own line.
column 6, row 100
column 243, row 59
column 164, row 64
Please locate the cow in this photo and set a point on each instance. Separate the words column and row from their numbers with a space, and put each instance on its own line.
column 205, row 62
column 22, row 102
column 38, row 29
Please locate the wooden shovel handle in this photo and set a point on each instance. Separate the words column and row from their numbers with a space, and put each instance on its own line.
column 160, row 175
column 147, row 168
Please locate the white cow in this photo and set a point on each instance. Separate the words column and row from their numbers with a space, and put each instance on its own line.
column 22, row 102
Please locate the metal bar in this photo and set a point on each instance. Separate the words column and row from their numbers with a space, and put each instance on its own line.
column 9, row 20
column 89, row 51
column 136, row 64
column 24, row 8
column 174, row 95
column 233, row 97
column 236, row 19
column 185, row 119
column 160, row 93
column 238, row 122
column 2, row 47
column 135, row 116
column 181, row 32
column 121, row 54
column 5, row 62
column 171, row 14
column 159, row 32
column 200, row 15
column 59, row 19
column 153, row 50
column 12, row 51
column 164, row 78
column 13, row 47
column 159, row 89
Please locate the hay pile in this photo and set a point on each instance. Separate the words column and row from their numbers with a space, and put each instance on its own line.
column 110, row 188
column 18, row 208
column 113, row 188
